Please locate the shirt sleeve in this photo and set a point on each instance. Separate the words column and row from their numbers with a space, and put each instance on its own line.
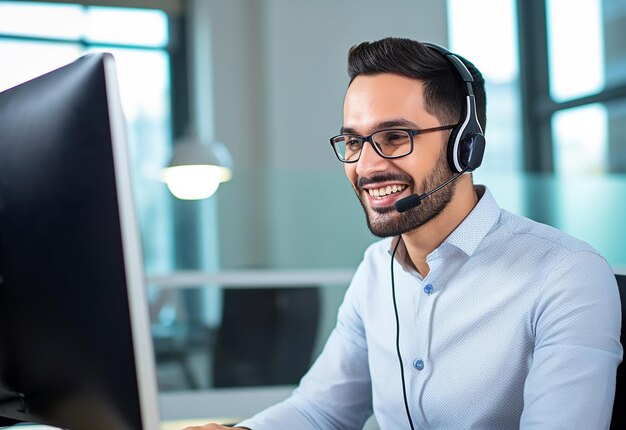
column 336, row 392
column 571, row 382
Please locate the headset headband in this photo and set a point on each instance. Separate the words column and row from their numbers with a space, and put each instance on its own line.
column 467, row 142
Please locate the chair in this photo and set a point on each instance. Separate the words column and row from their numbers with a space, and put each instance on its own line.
column 618, row 420
column 266, row 337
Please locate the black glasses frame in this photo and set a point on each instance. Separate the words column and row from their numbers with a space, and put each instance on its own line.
column 409, row 131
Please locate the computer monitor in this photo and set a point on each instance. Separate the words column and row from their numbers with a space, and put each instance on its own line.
column 75, row 345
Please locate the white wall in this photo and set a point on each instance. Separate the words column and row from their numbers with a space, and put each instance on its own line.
column 279, row 71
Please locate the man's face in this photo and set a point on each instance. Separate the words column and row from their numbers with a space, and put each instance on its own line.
column 374, row 102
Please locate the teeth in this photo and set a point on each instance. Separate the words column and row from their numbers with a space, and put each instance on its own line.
column 385, row 191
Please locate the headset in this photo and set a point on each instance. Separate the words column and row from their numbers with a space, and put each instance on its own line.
column 466, row 145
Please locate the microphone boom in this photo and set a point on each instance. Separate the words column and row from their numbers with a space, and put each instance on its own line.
column 415, row 200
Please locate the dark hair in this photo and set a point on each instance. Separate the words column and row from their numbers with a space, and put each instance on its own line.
column 444, row 92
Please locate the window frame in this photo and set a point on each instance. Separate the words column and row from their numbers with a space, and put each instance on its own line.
column 537, row 104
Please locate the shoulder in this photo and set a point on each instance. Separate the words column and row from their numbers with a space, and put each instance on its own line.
column 570, row 273
column 541, row 236
column 545, row 248
column 551, row 259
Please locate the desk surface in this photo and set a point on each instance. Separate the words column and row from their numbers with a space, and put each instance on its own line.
column 181, row 424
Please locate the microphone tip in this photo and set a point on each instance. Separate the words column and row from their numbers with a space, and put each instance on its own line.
column 407, row 203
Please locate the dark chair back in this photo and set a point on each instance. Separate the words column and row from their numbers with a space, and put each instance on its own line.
column 619, row 406
column 267, row 336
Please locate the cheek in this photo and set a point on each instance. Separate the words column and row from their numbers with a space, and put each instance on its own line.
column 420, row 165
column 415, row 168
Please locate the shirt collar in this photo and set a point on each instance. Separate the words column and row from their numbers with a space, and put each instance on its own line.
column 468, row 235
column 472, row 230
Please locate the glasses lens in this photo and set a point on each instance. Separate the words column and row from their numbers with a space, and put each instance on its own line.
column 392, row 143
column 347, row 147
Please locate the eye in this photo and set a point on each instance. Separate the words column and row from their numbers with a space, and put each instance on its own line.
column 392, row 138
column 395, row 137
column 353, row 143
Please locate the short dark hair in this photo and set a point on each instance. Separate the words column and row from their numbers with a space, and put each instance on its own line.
column 444, row 92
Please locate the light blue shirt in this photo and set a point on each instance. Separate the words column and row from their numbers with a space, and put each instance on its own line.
column 516, row 326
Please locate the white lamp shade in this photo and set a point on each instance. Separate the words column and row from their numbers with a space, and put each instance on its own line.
column 196, row 170
column 195, row 182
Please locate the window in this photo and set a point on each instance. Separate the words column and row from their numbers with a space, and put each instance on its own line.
column 587, row 67
column 574, row 60
column 39, row 37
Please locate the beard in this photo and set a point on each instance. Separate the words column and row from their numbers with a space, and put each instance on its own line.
column 386, row 222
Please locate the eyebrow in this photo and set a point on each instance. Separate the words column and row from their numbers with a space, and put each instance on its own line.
column 404, row 123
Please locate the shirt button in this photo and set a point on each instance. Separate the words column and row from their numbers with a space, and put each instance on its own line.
column 418, row 364
column 428, row 289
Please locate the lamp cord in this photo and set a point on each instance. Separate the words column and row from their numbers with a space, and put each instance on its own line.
column 395, row 308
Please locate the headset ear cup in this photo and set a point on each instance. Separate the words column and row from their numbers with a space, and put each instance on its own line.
column 471, row 151
column 475, row 153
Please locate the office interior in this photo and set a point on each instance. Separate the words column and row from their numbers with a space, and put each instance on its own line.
column 244, row 285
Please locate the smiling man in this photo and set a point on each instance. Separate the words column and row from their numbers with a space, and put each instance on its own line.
column 465, row 315
column 391, row 110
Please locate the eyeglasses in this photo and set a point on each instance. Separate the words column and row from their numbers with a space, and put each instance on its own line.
column 388, row 143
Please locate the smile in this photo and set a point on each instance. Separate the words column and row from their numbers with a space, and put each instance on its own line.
column 385, row 191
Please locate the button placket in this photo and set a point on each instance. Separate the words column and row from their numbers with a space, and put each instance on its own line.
column 424, row 327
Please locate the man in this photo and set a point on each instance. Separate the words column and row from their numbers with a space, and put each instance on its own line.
column 485, row 319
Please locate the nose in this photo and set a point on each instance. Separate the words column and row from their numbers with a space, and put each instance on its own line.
column 370, row 162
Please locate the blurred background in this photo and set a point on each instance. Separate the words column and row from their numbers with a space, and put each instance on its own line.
column 244, row 285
